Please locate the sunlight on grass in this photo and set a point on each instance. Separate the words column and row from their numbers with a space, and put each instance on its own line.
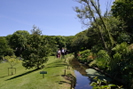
column 32, row 79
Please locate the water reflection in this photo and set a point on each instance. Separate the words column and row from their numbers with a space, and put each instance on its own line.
column 82, row 80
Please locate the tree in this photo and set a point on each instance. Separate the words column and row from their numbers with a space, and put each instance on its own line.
column 90, row 11
column 36, row 30
column 60, row 41
column 123, row 9
column 52, row 44
column 12, row 60
column 4, row 48
column 18, row 41
column 94, row 41
column 36, row 52
column 80, row 41
column 8, row 37
column 69, row 43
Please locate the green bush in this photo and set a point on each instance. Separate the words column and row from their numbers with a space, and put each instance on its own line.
column 102, row 59
column 121, row 64
column 121, row 48
column 104, row 84
column 85, row 56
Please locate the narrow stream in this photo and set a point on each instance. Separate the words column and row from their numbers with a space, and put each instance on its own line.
column 82, row 80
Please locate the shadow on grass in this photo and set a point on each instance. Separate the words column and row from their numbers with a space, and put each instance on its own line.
column 22, row 74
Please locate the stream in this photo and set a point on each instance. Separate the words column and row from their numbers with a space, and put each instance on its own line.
column 82, row 80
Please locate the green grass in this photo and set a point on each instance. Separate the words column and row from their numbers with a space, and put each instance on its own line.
column 32, row 79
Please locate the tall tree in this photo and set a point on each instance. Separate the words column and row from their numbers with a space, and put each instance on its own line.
column 36, row 52
column 90, row 11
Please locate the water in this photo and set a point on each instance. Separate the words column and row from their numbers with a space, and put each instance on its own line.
column 82, row 82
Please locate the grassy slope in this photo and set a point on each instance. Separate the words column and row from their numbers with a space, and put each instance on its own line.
column 32, row 79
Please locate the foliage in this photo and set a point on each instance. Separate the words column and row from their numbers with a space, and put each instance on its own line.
column 93, row 38
column 36, row 30
column 121, row 52
column 103, row 84
column 124, row 37
column 85, row 56
column 51, row 44
column 121, row 48
column 8, row 37
column 123, row 9
column 105, row 32
column 112, row 34
column 121, row 64
column 90, row 12
column 95, row 48
column 12, row 60
column 4, row 48
column 102, row 59
column 79, row 42
column 18, row 41
column 60, row 41
column 36, row 52
column 69, row 43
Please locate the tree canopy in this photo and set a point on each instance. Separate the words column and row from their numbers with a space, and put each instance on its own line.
column 4, row 48
column 123, row 9
column 18, row 41
column 36, row 52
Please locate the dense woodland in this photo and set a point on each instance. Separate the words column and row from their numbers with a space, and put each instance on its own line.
column 106, row 44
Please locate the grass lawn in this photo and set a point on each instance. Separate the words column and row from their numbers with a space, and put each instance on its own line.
column 32, row 79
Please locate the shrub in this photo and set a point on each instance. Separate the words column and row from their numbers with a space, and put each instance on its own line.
column 102, row 59
column 85, row 56
column 104, row 84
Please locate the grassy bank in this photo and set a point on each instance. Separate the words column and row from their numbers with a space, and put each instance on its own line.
column 32, row 79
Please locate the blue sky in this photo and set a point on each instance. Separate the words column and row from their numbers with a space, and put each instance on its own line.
column 53, row 17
